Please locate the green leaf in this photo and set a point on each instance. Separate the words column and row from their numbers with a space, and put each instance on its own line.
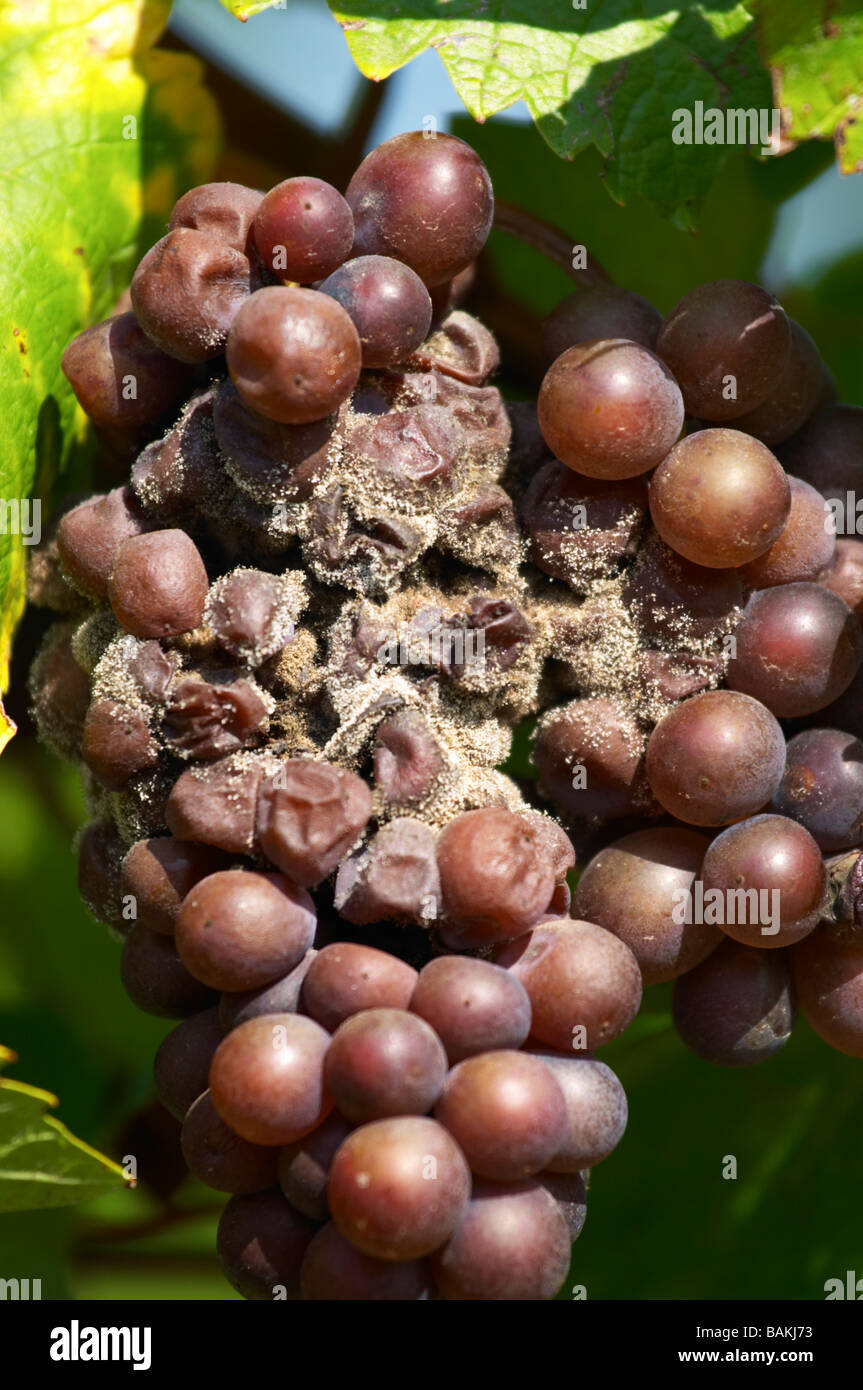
column 609, row 73
column 100, row 134
column 814, row 49
column 245, row 9
column 41, row 1163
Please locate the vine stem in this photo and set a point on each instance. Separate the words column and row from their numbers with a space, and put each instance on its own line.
column 549, row 240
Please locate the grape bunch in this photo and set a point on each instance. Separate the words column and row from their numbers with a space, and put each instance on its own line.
column 289, row 651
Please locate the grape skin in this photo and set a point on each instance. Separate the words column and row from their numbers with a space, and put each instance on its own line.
column 822, row 787
column 775, row 855
column 506, row 1111
column 829, row 979
column 384, row 1062
column 472, row 1005
column 512, row 1243
column 736, row 1008
column 266, row 1079
column 261, row 1243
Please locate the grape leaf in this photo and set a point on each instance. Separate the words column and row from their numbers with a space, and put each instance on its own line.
column 41, row 1163
column 815, row 55
column 101, row 132
column 610, row 73
column 245, row 9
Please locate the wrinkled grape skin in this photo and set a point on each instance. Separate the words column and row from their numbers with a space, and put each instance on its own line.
column 117, row 743
column 303, row 229
column 219, row 1157
column 829, row 979
column 512, row 1243
column 725, row 328
column 216, row 806
column 805, row 548
column 272, row 462
column 844, row 576
column 428, row 203
column 158, row 873
column 334, row 1270
column 506, row 1112
column 280, row 997
column 158, row 584
column 238, row 930
column 222, row 210
column 601, row 737
column 155, row 978
column 304, row 1167
column 472, row 1005
column 578, row 976
column 309, row 816
column 293, row 354
column 379, row 1193
column 182, row 1063
column 600, row 311
column 384, row 1062
column 346, row 978
column 715, row 758
column 261, row 1243
column 266, row 1079
column 103, row 361
column 720, row 498
column 186, row 293
column 596, row 1111
column 89, row 536
column 581, row 529
column 496, row 882
column 798, row 647
column 633, row 888
column 768, row 852
column 822, row 787
column 609, row 409
column 676, row 600
column 827, row 451
column 388, row 304
column 794, row 397
column 737, row 1007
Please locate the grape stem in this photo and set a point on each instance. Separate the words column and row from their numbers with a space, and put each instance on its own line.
column 548, row 239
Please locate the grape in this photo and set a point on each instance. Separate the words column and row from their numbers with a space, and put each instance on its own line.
column 822, row 787
column 397, row 1187
column 720, row 498
column 216, row 805
column 798, row 647
column 472, row 1005
column 158, row 873
column 238, row 930
column 121, row 379
column 844, row 575
column 333, row 1270
column 60, row 693
column 737, row 1007
column 674, row 599
column 581, row 529
column 395, row 878
column 304, row 1167
column 584, row 984
column 428, row 203
column 117, row 743
column 767, row 855
column 512, row 1243
column 280, row 997
column 182, row 1064
column 219, row 1157
column 293, row 354
column 600, row 311
column 158, row 584
column 407, row 759
column 100, row 851
column 250, row 614
column 384, row 1062
column 267, row 1078
column 715, row 758
column 828, row 974
column 303, row 229
column 186, row 293
column 589, row 756
column 793, row 398
column 570, row 1193
column 805, row 548
column 506, row 1112
column 309, row 815
column 826, row 452
column 201, row 720
column 261, row 1243
column 224, row 211
column 272, row 462
column 609, row 408
column 345, row 979
column 410, row 449
column 388, row 304
column 89, row 537
column 495, row 881
column 640, row 888
column 596, row 1111
column 155, row 978
column 728, row 344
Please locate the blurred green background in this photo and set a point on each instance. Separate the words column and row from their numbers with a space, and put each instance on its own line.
column 662, row 1220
